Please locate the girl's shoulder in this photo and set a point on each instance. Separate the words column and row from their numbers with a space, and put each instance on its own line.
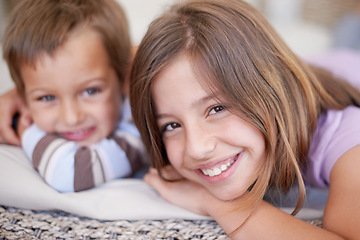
column 341, row 121
column 337, row 132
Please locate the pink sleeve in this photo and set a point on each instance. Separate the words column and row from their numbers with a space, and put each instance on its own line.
column 338, row 132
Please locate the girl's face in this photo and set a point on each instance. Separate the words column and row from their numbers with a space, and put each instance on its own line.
column 205, row 142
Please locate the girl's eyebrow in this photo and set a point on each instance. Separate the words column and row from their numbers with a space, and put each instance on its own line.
column 196, row 103
column 203, row 100
column 162, row 115
column 209, row 97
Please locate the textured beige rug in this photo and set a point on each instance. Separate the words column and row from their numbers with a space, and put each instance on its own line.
column 26, row 224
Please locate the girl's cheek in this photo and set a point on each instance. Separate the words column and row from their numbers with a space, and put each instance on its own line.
column 171, row 154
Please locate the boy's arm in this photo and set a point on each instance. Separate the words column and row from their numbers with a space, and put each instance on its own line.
column 51, row 156
column 132, row 150
column 67, row 167
column 128, row 137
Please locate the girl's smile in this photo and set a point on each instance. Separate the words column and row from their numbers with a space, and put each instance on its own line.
column 220, row 167
column 204, row 140
column 221, row 171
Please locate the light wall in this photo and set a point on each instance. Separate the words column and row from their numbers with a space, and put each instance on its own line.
column 302, row 37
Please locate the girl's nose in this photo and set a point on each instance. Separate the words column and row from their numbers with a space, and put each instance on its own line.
column 72, row 114
column 200, row 142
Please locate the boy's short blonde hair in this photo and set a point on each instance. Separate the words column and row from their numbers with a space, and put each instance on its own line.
column 38, row 27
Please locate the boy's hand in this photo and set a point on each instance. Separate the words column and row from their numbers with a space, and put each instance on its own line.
column 10, row 104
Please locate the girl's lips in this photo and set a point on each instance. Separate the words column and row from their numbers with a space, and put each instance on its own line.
column 220, row 172
column 79, row 134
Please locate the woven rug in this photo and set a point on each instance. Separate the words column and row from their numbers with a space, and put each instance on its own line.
column 27, row 224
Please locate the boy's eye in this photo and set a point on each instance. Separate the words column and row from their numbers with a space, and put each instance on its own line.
column 91, row 91
column 216, row 109
column 46, row 98
column 170, row 127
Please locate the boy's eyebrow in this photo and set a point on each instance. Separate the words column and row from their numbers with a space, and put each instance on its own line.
column 35, row 90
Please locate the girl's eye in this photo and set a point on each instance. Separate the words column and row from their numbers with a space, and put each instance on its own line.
column 216, row 109
column 91, row 91
column 170, row 127
column 46, row 98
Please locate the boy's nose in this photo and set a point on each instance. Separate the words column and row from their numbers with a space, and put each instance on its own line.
column 72, row 113
column 200, row 142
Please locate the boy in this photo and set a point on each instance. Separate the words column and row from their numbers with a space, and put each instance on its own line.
column 69, row 62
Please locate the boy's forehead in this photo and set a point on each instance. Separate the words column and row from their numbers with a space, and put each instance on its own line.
column 81, row 56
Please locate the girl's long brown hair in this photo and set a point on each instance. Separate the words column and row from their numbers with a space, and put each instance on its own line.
column 235, row 51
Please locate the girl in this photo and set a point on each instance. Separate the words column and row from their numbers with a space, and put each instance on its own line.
column 227, row 111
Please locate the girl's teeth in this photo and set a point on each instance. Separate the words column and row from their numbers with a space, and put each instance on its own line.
column 224, row 167
column 216, row 171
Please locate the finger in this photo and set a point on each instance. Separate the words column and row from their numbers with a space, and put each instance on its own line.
column 2, row 140
column 183, row 193
column 7, row 132
column 155, row 181
column 152, row 170
column 165, row 188
column 9, row 136
column 150, row 177
column 169, row 172
column 10, row 104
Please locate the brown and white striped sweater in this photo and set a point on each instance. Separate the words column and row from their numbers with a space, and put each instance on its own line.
column 67, row 167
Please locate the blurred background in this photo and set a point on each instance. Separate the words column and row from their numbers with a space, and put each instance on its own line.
column 309, row 27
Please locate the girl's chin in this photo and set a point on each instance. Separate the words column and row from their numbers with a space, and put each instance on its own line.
column 227, row 195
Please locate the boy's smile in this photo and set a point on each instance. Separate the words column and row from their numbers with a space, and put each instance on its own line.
column 78, row 135
column 204, row 140
column 75, row 91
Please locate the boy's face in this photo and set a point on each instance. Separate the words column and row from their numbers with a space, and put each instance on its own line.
column 74, row 92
